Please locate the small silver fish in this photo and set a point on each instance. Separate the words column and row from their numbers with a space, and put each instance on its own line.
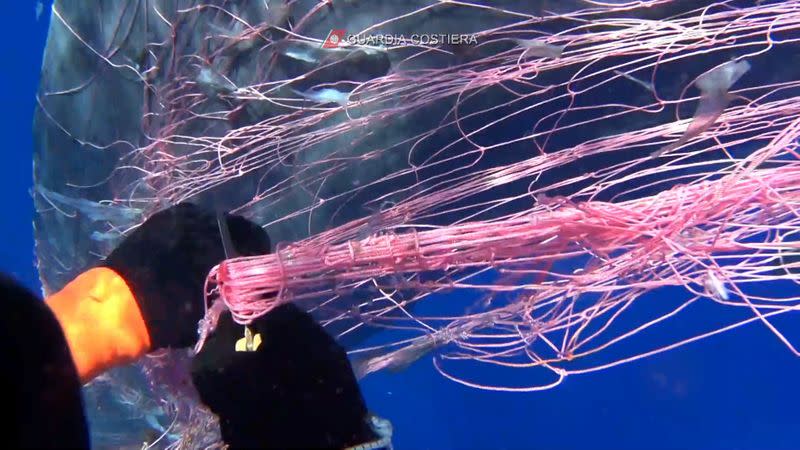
column 715, row 287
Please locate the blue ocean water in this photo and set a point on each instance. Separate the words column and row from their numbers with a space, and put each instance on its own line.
column 734, row 391
column 23, row 43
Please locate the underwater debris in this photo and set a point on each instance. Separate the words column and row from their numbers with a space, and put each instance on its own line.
column 645, row 84
column 96, row 212
column 539, row 49
column 714, row 98
column 715, row 287
column 383, row 429
column 397, row 360
column 210, row 79
column 325, row 95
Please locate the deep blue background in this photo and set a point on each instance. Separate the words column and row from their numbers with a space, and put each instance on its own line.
column 23, row 42
column 736, row 391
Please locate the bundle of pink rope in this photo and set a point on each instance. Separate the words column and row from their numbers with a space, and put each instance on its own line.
column 252, row 286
